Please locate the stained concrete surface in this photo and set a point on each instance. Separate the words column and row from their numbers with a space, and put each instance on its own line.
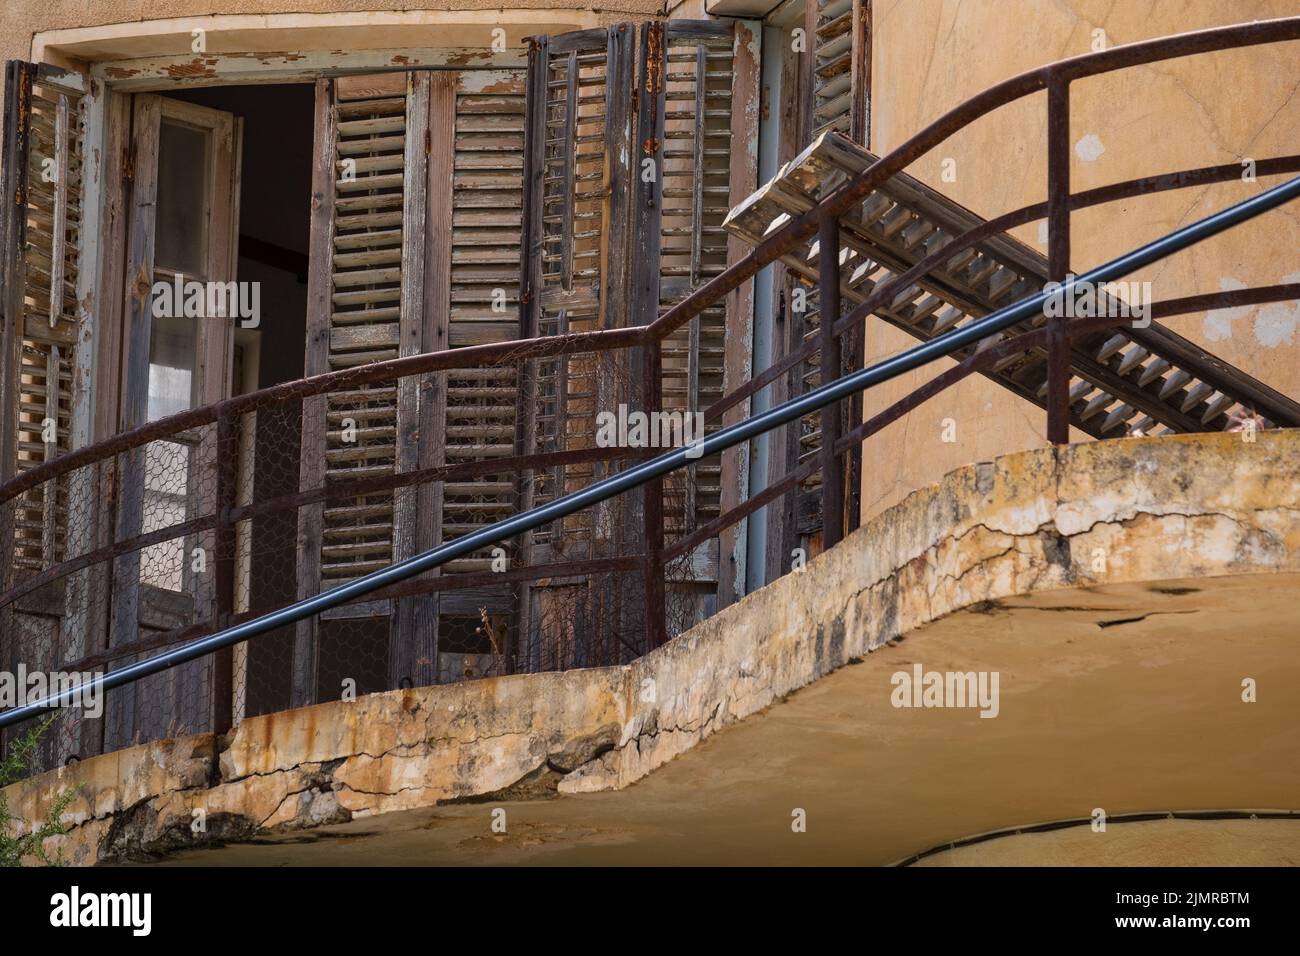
column 1027, row 548
column 1259, row 842
column 1125, row 697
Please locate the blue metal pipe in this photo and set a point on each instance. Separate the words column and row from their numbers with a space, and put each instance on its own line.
column 725, row 438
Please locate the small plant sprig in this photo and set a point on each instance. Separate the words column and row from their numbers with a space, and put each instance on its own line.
column 15, row 846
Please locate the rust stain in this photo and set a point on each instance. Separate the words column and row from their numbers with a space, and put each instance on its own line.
column 400, row 59
column 23, row 136
column 142, row 285
column 24, row 104
column 118, row 73
column 24, row 133
column 273, row 58
column 651, row 145
column 654, row 63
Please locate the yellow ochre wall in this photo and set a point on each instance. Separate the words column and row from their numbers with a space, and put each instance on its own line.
column 931, row 55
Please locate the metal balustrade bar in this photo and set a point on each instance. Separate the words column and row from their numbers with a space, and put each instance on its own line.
column 655, row 469
column 93, row 560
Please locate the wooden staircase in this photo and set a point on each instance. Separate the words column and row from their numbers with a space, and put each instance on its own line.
column 1130, row 379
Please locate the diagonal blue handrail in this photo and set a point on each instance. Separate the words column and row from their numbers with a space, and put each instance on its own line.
column 639, row 475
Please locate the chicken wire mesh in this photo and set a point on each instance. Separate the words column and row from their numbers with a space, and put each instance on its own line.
column 227, row 520
column 131, row 575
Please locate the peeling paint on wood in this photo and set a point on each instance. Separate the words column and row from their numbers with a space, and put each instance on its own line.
column 156, row 73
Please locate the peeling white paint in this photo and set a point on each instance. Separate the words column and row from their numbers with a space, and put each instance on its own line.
column 1218, row 322
column 1090, row 148
column 479, row 81
column 1277, row 322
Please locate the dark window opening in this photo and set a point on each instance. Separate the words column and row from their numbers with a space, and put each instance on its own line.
column 273, row 236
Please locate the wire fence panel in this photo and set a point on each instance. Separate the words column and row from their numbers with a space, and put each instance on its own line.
column 167, row 539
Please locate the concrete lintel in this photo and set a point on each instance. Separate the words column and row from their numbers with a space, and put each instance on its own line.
column 289, row 36
column 750, row 9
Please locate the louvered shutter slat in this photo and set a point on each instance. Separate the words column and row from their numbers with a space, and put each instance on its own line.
column 43, row 197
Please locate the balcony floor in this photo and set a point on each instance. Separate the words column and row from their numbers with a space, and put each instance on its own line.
column 1124, row 697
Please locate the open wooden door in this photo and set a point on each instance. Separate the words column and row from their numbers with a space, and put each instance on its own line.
column 177, row 354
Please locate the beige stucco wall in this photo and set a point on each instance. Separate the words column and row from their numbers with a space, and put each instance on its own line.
column 931, row 55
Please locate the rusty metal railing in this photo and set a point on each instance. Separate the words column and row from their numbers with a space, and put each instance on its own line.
column 232, row 627
column 647, row 472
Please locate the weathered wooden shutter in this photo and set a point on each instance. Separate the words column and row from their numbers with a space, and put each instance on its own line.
column 365, row 304
column 472, row 298
column 575, row 273
column 698, row 125
column 838, row 85
column 838, row 32
column 361, row 321
column 474, row 282
column 416, row 248
column 41, row 228
column 622, row 225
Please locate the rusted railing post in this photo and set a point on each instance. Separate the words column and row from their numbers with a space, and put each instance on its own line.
column 1058, row 257
column 223, row 597
column 656, row 629
column 832, row 465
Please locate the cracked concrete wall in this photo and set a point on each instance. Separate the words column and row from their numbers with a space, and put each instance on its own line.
column 931, row 55
column 1134, row 510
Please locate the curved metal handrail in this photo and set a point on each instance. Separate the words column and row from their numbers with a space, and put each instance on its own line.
column 469, row 357
column 856, row 188
column 853, row 190
column 885, row 292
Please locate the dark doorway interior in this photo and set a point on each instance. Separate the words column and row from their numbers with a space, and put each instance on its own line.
column 274, row 231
